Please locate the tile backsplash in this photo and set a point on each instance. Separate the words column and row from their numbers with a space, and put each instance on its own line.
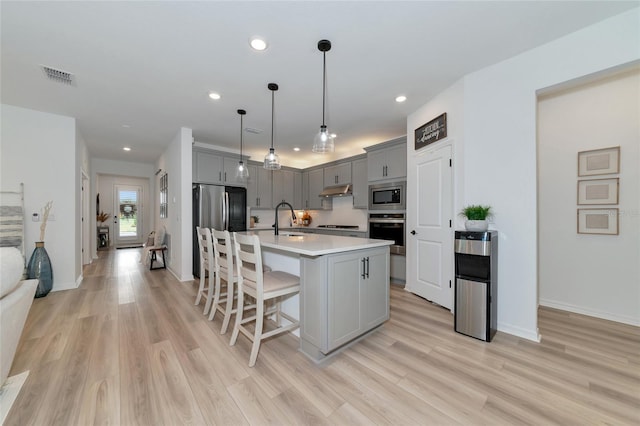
column 342, row 213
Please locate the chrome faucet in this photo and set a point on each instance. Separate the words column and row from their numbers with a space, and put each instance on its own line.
column 293, row 215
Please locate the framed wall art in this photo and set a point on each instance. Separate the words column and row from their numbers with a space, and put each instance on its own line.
column 598, row 191
column 598, row 221
column 599, row 161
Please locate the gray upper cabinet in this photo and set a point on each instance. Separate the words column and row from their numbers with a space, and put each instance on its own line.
column 213, row 168
column 360, row 183
column 305, row 190
column 298, row 202
column 208, row 167
column 259, row 187
column 339, row 174
column 387, row 163
column 283, row 187
column 316, row 185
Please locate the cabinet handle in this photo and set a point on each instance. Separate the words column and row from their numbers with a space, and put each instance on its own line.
column 367, row 266
column 219, row 175
column 363, row 273
column 225, row 176
column 258, row 201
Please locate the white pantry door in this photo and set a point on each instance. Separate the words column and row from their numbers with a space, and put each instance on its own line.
column 430, row 226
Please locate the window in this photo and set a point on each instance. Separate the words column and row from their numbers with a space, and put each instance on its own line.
column 164, row 196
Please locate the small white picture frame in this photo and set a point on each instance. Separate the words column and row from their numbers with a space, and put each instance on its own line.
column 603, row 161
column 598, row 221
column 598, row 191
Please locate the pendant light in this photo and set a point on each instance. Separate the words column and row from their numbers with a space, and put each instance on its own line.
column 242, row 172
column 271, row 160
column 323, row 142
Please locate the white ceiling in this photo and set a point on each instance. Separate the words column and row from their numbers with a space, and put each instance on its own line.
column 151, row 65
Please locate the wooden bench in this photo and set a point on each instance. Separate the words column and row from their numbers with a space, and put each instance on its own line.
column 153, row 253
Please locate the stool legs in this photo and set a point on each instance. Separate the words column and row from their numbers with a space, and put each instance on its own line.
column 257, row 335
column 239, row 312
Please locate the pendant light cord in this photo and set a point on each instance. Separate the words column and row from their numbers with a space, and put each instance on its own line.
column 241, row 117
column 272, row 115
column 324, row 81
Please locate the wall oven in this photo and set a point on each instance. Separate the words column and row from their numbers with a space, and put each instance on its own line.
column 388, row 226
column 387, row 196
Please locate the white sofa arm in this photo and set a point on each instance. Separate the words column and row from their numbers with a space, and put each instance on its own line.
column 14, row 308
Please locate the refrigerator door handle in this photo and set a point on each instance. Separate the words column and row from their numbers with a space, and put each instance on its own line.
column 223, row 208
column 225, row 212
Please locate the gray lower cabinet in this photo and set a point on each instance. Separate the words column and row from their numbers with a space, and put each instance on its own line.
column 345, row 295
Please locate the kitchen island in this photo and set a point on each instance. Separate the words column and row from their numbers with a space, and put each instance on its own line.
column 344, row 286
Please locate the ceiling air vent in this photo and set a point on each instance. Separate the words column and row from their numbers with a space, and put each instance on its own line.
column 252, row 130
column 58, row 75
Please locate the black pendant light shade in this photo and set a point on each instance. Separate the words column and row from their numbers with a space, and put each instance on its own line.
column 323, row 141
column 242, row 172
column 271, row 160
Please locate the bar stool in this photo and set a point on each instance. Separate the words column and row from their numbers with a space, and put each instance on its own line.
column 262, row 286
column 223, row 252
column 206, row 265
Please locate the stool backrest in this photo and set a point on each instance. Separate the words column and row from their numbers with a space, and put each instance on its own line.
column 206, row 247
column 248, row 260
column 223, row 251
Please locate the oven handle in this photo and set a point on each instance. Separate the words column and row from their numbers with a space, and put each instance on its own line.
column 386, row 221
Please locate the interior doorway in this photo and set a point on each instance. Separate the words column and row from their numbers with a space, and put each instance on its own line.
column 85, row 238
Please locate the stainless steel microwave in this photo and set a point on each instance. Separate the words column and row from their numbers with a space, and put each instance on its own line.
column 387, row 196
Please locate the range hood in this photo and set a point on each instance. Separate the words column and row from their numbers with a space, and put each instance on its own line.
column 336, row 191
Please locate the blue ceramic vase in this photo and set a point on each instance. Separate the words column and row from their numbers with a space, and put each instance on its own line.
column 40, row 268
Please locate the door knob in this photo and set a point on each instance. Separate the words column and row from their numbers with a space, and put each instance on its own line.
column 413, row 232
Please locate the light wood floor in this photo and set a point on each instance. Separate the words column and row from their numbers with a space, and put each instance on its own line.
column 129, row 347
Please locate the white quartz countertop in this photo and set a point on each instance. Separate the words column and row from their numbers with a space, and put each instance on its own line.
column 315, row 244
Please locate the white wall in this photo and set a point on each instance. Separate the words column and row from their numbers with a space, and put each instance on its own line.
column 601, row 277
column 177, row 162
column 499, row 154
column 39, row 149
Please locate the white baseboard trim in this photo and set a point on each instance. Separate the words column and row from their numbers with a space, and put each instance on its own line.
column 590, row 312
column 519, row 331
column 65, row 286
column 9, row 392
column 79, row 280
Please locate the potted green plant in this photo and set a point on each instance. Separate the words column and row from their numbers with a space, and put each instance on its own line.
column 254, row 220
column 476, row 217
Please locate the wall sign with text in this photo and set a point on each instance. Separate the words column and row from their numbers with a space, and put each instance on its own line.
column 431, row 132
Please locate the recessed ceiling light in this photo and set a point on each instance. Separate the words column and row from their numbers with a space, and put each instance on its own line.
column 214, row 95
column 258, row 44
column 126, row 126
column 296, row 149
column 126, row 148
column 401, row 98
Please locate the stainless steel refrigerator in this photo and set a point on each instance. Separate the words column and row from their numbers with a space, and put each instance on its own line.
column 219, row 207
